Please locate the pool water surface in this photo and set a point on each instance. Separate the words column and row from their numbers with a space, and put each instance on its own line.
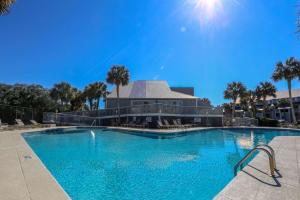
column 107, row 164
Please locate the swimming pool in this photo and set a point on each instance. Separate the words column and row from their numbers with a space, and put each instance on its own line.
column 107, row 164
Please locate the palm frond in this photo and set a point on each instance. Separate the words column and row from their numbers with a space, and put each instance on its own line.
column 5, row 5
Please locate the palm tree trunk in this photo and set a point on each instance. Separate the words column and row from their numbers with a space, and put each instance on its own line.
column 291, row 101
column 91, row 104
column 253, row 110
column 97, row 104
column 61, row 105
column 264, row 107
column 233, row 109
column 118, row 102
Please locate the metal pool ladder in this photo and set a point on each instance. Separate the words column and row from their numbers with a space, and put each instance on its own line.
column 94, row 122
column 261, row 147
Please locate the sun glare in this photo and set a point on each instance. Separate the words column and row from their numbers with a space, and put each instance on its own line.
column 212, row 13
column 209, row 8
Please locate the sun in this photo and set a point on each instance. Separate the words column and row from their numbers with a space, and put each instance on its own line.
column 209, row 8
column 208, row 4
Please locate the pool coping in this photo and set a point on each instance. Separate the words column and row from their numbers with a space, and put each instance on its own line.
column 184, row 131
column 23, row 174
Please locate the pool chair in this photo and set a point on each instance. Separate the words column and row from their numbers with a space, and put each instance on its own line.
column 128, row 124
column 133, row 124
column 176, row 124
column 19, row 122
column 3, row 125
column 35, row 124
column 168, row 124
column 184, row 125
column 138, row 123
column 124, row 124
column 161, row 125
column 145, row 124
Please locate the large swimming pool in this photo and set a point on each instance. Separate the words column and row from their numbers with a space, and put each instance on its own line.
column 106, row 164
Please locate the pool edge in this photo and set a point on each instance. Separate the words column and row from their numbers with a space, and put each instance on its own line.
column 34, row 178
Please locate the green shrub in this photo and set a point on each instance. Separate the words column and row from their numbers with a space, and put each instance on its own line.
column 267, row 122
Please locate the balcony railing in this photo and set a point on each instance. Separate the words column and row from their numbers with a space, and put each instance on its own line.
column 152, row 109
column 88, row 117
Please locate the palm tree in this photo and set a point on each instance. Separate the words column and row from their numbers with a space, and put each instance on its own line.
column 93, row 92
column 62, row 93
column 204, row 102
column 234, row 91
column 249, row 100
column 263, row 90
column 78, row 102
column 88, row 94
column 100, row 91
column 119, row 76
column 4, row 6
column 288, row 71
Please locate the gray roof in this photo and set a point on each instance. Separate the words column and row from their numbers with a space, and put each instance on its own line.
column 149, row 90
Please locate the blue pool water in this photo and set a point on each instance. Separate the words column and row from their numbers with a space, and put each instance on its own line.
column 112, row 165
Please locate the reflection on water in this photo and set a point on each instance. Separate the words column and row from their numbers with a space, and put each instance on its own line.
column 246, row 142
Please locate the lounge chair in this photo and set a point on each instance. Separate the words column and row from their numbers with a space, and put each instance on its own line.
column 33, row 122
column 129, row 124
column 133, row 125
column 176, row 124
column 169, row 125
column 3, row 125
column 184, row 125
column 145, row 124
column 160, row 124
column 138, row 123
column 124, row 125
column 19, row 122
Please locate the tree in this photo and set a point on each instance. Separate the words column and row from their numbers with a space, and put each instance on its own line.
column 78, row 102
column 234, row 91
column 227, row 109
column 93, row 93
column 288, row 71
column 263, row 90
column 248, row 102
column 63, row 93
column 5, row 5
column 204, row 102
column 119, row 76
column 24, row 101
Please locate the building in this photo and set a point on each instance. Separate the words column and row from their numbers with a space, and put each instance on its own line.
column 152, row 100
column 151, row 92
column 279, row 107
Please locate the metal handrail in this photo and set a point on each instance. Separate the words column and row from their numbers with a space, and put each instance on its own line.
column 94, row 121
column 271, row 160
column 272, row 152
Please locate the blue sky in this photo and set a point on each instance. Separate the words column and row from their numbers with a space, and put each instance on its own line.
column 188, row 44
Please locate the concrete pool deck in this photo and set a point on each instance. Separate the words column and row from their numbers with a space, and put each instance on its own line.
column 23, row 175
column 254, row 181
